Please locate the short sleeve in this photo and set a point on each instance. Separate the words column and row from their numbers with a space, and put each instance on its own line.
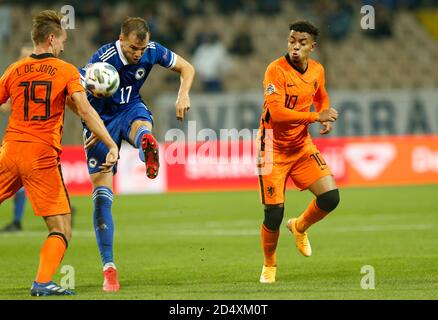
column 96, row 57
column 273, row 86
column 74, row 84
column 4, row 90
column 164, row 57
column 321, row 98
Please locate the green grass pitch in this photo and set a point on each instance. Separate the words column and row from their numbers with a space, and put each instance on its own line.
column 207, row 246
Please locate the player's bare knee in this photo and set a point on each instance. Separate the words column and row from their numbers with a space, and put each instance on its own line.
column 273, row 216
column 61, row 226
column 102, row 179
column 66, row 226
column 68, row 234
column 328, row 201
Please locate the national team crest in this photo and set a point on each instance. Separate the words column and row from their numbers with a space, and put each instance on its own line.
column 140, row 73
column 271, row 191
column 270, row 89
column 92, row 163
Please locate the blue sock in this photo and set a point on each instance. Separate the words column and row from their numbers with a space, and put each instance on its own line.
column 19, row 202
column 103, row 222
column 137, row 140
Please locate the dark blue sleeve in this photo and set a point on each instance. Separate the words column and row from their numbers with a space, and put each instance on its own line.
column 105, row 53
column 164, row 57
column 94, row 58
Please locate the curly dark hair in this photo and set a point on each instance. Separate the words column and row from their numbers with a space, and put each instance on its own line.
column 305, row 26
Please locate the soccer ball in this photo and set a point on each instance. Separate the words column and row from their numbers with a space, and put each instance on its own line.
column 101, row 79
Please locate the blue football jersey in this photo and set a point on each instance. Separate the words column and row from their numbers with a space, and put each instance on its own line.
column 132, row 76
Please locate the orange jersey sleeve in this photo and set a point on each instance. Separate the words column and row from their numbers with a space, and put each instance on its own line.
column 4, row 92
column 321, row 100
column 38, row 87
column 74, row 85
column 289, row 94
column 279, row 103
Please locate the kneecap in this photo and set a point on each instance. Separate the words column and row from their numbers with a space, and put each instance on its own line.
column 273, row 217
column 328, row 201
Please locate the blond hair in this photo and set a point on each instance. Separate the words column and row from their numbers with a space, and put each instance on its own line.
column 137, row 25
column 45, row 23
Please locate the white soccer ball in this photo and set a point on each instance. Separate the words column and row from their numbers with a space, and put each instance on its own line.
column 101, row 79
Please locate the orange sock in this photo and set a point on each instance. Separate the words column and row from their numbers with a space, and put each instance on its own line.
column 51, row 255
column 310, row 216
column 269, row 244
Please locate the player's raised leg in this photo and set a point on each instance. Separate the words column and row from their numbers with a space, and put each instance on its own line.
column 104, row 227
column 51, row 255
column 141, row 137
column 327, row 199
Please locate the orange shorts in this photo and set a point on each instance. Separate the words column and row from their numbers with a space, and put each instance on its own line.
column 304, row 166
column 36, row 167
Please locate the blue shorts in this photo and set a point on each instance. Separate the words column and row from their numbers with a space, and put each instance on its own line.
column 119, row 127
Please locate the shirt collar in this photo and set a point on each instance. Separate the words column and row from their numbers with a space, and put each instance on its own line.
column 294, row 66
column 121, row 55
column 42, row 55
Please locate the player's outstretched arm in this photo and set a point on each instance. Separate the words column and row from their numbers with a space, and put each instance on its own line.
column 83, row 108
column 93, row 139
column 187, row 74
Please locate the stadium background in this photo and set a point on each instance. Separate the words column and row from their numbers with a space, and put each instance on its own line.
column 383, row 82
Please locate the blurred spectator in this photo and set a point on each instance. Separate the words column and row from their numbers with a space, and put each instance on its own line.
column 242, row 44
column 192, row 7
column 384, row 21
column 211, row 61
column 5, row 23
column 338, row 16
column 108, row 29
column 85, row 9
column 5, row 33
column 151, row 16
column 388, row 4
column 228, row 7
column 393, row 5
column 171, row 32
column 269, row 7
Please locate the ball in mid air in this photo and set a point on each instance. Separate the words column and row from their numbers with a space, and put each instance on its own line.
column 101, row 79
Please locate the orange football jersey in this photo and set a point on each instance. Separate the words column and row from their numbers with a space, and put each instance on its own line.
column 289, row 94
column 38, row 86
